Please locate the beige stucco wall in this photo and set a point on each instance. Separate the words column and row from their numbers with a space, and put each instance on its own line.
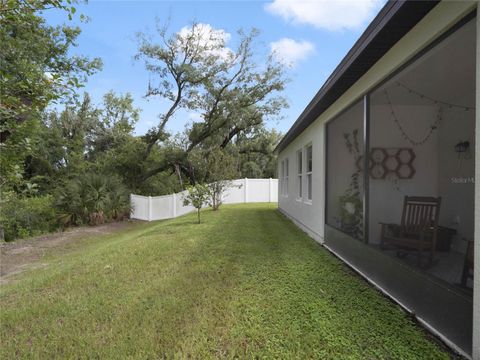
column 310, row 217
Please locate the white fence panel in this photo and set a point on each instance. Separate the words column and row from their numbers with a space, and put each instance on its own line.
column 273, row 190
column 258, row 190
column 236, row 193
column 170, row 206
column 162, row 207
column 139, row 207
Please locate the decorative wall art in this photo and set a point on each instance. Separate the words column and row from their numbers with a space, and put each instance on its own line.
column 384, row 162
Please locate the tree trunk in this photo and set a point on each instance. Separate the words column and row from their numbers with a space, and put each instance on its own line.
column 179, row 174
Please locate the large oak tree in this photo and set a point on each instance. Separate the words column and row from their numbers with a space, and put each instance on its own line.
column 233, row 90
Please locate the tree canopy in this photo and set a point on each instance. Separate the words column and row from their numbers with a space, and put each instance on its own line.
column 234, row 91
column 66, row 159
column 36, row 69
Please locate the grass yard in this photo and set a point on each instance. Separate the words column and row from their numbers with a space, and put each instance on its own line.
column 244, row 283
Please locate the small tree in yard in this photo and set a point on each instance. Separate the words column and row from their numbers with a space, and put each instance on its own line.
column 221, row 171
column 216, row 190
column 197, row 196
column 216, row 167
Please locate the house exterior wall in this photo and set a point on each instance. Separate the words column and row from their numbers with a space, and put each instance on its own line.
column 311, row 216
column 308, row 215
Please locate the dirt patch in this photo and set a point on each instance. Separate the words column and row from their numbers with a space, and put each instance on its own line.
column 21, row 255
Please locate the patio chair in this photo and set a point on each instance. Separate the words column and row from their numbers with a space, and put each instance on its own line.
column 468, row 264
column 417, row 231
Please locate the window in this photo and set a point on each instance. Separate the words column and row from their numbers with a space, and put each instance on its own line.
column 281, row 175
column 285, row 179
column 308, row 158
column 299, row 174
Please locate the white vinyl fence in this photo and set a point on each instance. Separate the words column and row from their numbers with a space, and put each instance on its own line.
column 170, row 206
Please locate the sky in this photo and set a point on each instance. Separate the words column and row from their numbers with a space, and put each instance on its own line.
column 310, row 37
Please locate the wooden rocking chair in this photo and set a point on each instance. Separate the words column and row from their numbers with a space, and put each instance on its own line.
column 417, row 231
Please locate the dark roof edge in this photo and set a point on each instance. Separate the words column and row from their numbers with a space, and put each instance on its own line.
column 406, row 13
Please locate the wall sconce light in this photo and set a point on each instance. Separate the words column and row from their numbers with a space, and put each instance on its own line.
column 463, row 149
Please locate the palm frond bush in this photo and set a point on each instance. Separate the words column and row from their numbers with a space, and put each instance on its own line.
column 92, row 199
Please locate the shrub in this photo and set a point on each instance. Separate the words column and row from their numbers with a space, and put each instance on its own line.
column 24, row 217
column 92, row 199
column 197, row 196
column 217, row 189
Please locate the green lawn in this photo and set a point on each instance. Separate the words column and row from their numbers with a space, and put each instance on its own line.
column 244, row 283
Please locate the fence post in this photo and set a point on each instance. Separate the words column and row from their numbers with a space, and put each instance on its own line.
column 269, row 189
column 149, row 208
column 246, row 190
column 174, row 202
column 132, row 207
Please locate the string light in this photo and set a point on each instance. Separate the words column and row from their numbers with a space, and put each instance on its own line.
column 435, row 101
column 405, row 136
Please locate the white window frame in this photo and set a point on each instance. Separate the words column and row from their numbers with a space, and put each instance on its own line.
column 285, row 178
column 281, row 175
column 300, row 168
column 309, row 174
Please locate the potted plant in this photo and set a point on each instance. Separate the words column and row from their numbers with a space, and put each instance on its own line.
column 351, row 205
